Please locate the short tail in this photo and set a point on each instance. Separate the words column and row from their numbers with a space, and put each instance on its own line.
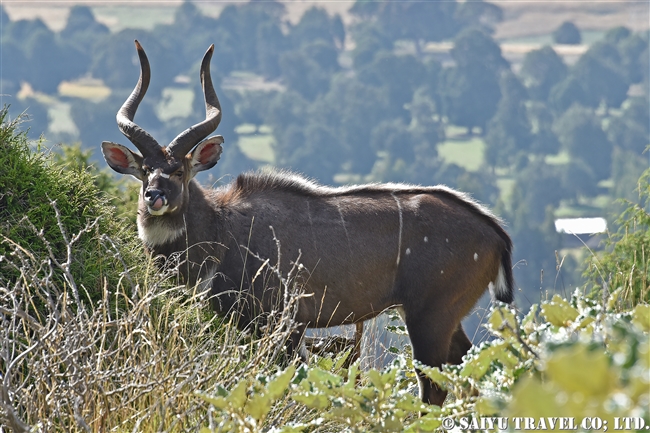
column 503, row 289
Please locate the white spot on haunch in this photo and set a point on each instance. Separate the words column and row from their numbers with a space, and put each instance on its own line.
column 426, row 239
column 408, row 251
column 442, row 272
column 476, row 257
column 447, row 240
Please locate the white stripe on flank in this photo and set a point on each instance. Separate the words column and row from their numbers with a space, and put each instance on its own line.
column 345, row 229
column 401, row 227
column 311, row 226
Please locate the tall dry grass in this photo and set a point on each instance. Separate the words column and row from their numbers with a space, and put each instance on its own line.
column 131, row 361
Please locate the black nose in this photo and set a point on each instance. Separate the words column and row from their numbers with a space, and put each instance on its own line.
column 151, row 195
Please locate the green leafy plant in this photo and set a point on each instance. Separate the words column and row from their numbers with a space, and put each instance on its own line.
column 566, row 358
column 626, row 262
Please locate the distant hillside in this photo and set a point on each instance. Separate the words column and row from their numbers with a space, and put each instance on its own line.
column 521, row 19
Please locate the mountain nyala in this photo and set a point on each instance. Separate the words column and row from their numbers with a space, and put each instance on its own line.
column 428, row 251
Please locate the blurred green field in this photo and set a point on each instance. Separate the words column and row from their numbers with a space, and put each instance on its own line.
column 122, row 16
column 588, row 38
column 176, row 102
column 465, row 153
column 561, row 158
column 258, row 147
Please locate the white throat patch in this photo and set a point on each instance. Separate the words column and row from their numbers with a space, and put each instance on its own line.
column 155, row 234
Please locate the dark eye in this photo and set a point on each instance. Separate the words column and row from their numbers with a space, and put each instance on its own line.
column 146, row 171
column 178, row 173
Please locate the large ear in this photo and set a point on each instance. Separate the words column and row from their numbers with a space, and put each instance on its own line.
column 122, row 160
column 206, row 154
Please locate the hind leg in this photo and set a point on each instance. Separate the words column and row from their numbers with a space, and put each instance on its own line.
column 356, row 350
column 460, row 344
column 430, row 339
column 295, row 345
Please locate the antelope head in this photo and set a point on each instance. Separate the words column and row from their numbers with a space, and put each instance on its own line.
column 166, row 171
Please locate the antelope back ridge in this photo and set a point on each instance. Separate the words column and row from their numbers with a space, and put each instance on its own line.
column 429, row 251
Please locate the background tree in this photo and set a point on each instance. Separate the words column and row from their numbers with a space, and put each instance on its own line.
column 478, row 14
column 568, row 33
column 544, row 140
column 600, row 74
column 415, row 21
column 241, row 22
column 393, row 137
column 199, row 31
column 270, row 42
column 540, row 186
column 14, row 67
column 426, row 122
column 303, row 74
column 627, row 167
column 473, row 46
column 65, row 61
column 399, row 76
column 353, row 109
column 617, row 34
column 632, row 49
column 315, row 24
column 82, row 30
column 567, row 93
column 116, row 62
column 541, row 70
column 578, row 180
column 470, row 90
column 369, row 39
column 509, row 131
column 580, row 132
column 319, row 155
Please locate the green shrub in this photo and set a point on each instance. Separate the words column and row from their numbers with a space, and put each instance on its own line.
column 52, row 212
column 121, row 192
column 626, row 261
